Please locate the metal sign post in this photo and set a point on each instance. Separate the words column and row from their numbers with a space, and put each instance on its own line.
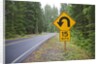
column 65, row 46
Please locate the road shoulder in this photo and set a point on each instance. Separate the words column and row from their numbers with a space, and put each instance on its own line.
column 52, row 50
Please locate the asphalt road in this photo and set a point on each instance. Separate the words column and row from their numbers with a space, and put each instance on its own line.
column 17, row 50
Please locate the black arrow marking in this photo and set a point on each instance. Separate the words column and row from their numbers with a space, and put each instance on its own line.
column 60, row 21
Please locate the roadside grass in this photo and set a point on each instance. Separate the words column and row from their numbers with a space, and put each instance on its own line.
column 52, row 50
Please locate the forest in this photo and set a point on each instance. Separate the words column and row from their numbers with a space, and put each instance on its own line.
column 23, row 18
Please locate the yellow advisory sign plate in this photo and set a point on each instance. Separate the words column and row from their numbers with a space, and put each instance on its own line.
column 64, row 36
column 64, row 21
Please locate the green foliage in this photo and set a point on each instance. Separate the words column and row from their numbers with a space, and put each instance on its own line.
column 83, row 33
column 28, row 18
column 50, row 14
column 87, row 43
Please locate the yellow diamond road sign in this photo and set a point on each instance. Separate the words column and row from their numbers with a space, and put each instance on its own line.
column 64, row 21
column 64, row 36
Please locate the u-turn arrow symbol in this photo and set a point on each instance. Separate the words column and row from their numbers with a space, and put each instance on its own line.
column 60, row 21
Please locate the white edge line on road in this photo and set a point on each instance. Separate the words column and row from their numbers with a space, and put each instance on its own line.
column 28, row 51
column 25, row 53
column 12, row 43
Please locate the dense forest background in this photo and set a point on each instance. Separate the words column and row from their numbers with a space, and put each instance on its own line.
column 23, row 18
column 28, row 18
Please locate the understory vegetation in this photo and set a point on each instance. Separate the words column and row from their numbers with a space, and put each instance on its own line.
column 25, row 18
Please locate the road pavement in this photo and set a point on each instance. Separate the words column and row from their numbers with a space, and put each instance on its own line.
column 17, row 50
